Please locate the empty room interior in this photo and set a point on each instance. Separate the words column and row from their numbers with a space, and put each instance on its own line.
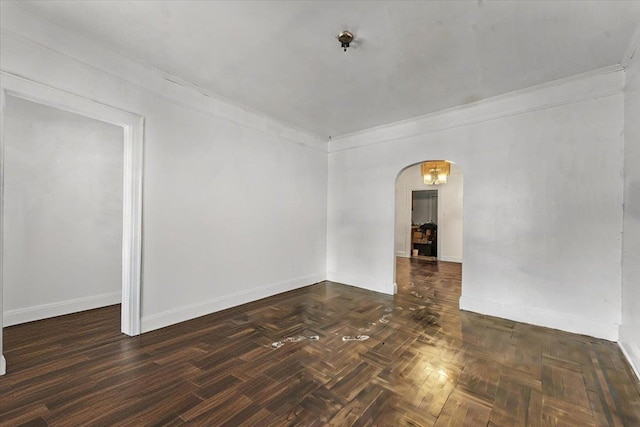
column 345, row 213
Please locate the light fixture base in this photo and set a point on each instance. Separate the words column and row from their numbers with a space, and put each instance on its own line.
column 345, row 38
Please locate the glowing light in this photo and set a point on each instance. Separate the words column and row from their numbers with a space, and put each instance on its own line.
column 435, row 172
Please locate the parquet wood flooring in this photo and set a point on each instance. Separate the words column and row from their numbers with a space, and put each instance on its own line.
column 424, row 363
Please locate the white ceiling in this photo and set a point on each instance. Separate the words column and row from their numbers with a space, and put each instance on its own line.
column 282, row 58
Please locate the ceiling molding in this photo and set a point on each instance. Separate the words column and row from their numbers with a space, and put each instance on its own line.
column 37, row 25
column 578, row 88
column 631, row 62
column 20, row 23
column 632, row 48
column 414, row 58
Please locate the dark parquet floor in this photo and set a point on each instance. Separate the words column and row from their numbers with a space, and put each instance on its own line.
column 425, row 363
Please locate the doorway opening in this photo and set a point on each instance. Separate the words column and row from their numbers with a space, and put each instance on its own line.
column 424, row 223
column 62, row 243
column 428, row 214
column 131, row 209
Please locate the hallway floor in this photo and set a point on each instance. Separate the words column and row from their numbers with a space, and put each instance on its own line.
column 327, row 354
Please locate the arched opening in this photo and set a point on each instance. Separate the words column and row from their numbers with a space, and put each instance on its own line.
column 428, row 216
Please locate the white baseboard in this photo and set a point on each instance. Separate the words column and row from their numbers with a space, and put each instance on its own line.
column 630, row 349
column 402, row 254
column 361, row 282
column 548, row 319
column 451, row 259
column 44, row 311
column 3, row 365
column 188, row 312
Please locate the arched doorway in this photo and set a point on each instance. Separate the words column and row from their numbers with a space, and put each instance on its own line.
column 429, row 216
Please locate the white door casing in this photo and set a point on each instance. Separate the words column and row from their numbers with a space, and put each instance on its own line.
column 133, row 125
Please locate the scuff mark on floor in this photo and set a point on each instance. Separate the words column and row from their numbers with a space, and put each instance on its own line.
column 356, row 338
column 297, row 338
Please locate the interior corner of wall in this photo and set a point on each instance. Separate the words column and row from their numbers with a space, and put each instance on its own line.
column 540, row 317
column 630, row 349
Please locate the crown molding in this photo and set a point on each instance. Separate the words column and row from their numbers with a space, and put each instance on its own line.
column 19, row 23
column 595, row 84
column 631, row 62
column 631, row 49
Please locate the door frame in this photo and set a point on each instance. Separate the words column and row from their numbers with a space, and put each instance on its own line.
column 133, row 125
column 439, row 213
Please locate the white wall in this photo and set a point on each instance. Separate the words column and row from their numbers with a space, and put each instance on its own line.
column 542, row 231
column 207, row 165
column 449, row 212
column 450, row 228
column 630, row 329
column 62, row 212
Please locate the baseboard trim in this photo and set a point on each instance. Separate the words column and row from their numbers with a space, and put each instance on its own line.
column 451, row 259
column 45, row 311
column 361, row 282
column 402, row 254
column 3, row 365
column 631, row 351
column 547, row 319
column 192, row 311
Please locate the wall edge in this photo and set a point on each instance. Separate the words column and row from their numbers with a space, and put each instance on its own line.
column 210, row 306
column 544, row 318
column 60, row 308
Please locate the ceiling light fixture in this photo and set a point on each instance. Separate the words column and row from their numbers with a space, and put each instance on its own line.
column 345, row 38
column 435, row 172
